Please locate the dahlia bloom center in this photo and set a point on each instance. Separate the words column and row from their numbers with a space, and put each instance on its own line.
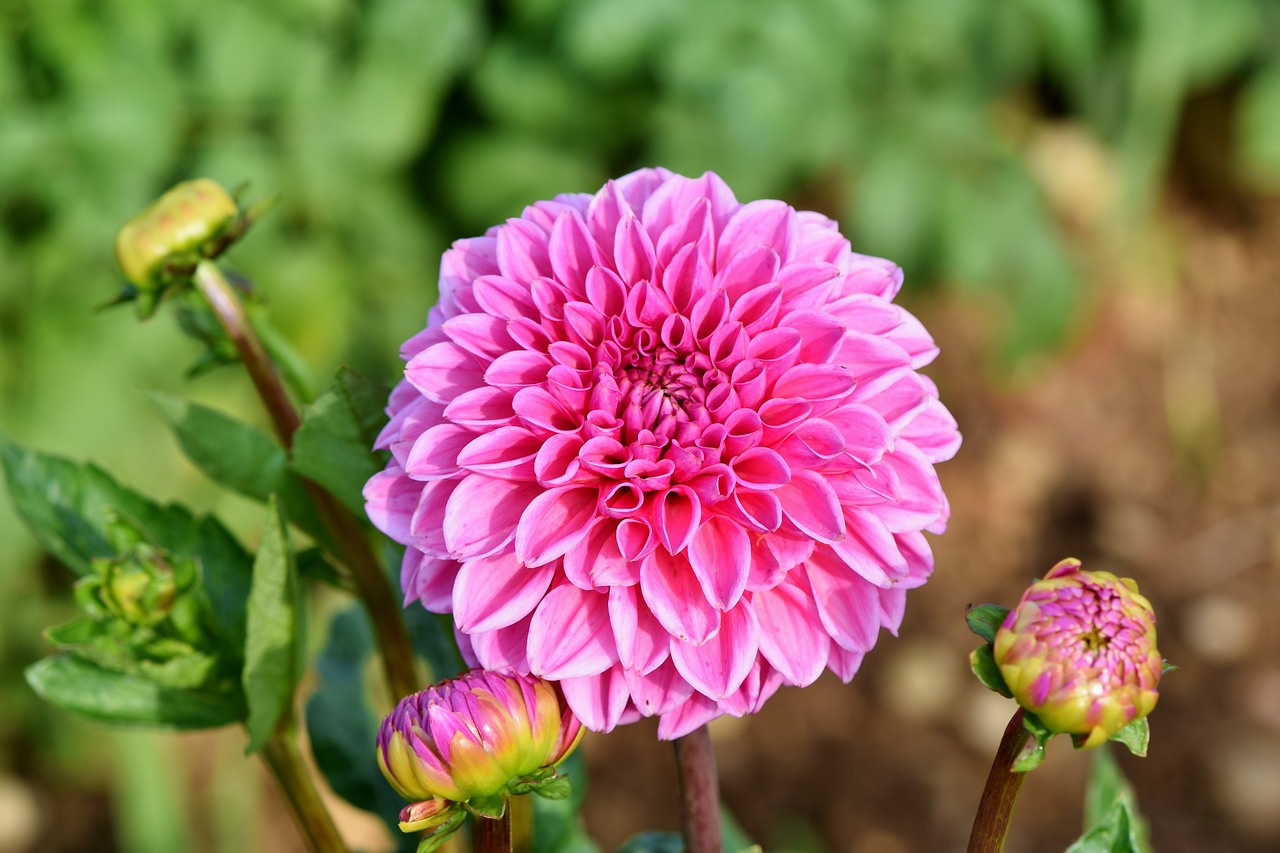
column 666, row 448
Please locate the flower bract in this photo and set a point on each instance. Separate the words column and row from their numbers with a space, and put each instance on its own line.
column 1079, row 651
column 666, row 448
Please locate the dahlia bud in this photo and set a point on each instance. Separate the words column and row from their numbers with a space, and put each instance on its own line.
column 474, row 740
column 1079, row 652
column 138, row 588
column 179, row 224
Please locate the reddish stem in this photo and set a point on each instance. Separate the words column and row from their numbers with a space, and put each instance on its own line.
column 699, row 792
column 991, row 823
column 491, row 835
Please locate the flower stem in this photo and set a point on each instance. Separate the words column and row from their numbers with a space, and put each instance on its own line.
column 491, row 835
column 348, row 536
column 699, row 792
column 281, row 755
column 991, row 823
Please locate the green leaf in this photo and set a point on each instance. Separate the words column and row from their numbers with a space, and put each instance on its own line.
column 984, row 666
column 442, row 833
column 554, row 788
column 1112, row 821
column 112, row 697
column 1136, row 736
column 68, row 507
column 239, row 456
column 1032, row 755
column 732, row 833
column 342, row 728
column 557, row 824
column 487, row 808
column 985, row 619
column 273, row 642
column 334, row 445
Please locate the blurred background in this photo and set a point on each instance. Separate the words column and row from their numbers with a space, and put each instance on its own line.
column 1085, row 196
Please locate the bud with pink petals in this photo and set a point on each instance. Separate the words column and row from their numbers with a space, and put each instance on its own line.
column 473, row 741
column 1079, row 652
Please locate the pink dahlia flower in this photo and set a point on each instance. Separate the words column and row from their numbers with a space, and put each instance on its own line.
column 666, row 448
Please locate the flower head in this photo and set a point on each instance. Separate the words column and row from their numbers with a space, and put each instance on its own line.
column 180, row 222
column 666, row 448
column 1079, row 651
column 474, row 737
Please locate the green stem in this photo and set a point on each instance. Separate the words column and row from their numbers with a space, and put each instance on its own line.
column 991, row 823
column 491, row 835
column 348, row 535
column 281, row 755
column 699, row 792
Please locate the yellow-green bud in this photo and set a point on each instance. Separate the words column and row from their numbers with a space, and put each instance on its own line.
column 179, row 223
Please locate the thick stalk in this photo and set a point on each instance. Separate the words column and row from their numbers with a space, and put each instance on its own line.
column 991, row 823
column 699, row 792
column 348, row 536
column 491, row 835
column 285, row 763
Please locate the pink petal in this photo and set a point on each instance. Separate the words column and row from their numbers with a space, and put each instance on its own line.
column 536, row 407
column 426, row 528
column 812, row 505
column 522, row 251
column 570, row 635
column 791, row 634
column 506, row 452
column 435, row 453
column 717, row 667
column 481, row 407
column 673, row 593
column 518, row 369
column 503, row 298
column 479, row 334
column 823, row 385
column 761, row 468
column 761, row 683
column 659, row 691
column 635, row 538
column 760, row 511
column 482, row 513
column 678, row 512
column 598, row 700
column 822, row 334
column 429, row 580
column 933, row 431
column 494, row 592
column 557, row 459
column 844, row 663
column 758, row 223
column 746, row 270
column 597, row 562
column 502, row 649
column 554, row 522
column 696, row 711
column 572, row 252
column 643, row 644
column 391, row 499
column 848, row 606
column 443, row 371
column 721, row 559
column 866, row 435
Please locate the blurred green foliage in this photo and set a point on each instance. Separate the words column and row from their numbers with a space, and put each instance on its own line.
column 392, row 126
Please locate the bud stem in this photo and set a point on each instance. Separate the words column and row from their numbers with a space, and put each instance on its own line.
column 699, row 792
column 491, row 835
column 281, row 755
column 350, row 539
column 995, row 809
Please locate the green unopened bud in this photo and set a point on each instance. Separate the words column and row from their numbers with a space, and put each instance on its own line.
column 176, row 227
column 1079, row 652
column 138, row 588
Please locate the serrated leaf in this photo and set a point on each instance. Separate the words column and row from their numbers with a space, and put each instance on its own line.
column 112, row 697
column 1136, row 736
column 68, row 506
column 984, row 666
column 985, row 619
column 334, row 445
column 239, row 456
column 272, row 642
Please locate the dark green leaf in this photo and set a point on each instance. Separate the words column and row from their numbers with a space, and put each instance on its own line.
column 985, row 619
column 239, row 456
column 112, row 697
column 334, row 445
column 272, row 642
column 554, row 788
column 69, row 505
column 487, row 807
column 442, row 833
column 1136, row 736
column 342, row 728
column 985, row 668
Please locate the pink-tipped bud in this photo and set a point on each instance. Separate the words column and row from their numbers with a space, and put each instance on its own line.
column 1079, row 652
column 179, row 223
column 472, row 738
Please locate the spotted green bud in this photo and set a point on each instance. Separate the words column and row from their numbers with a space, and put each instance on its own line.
column 179, row 224
column 1079, row 652
column 473, row 741
column 138, row 588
